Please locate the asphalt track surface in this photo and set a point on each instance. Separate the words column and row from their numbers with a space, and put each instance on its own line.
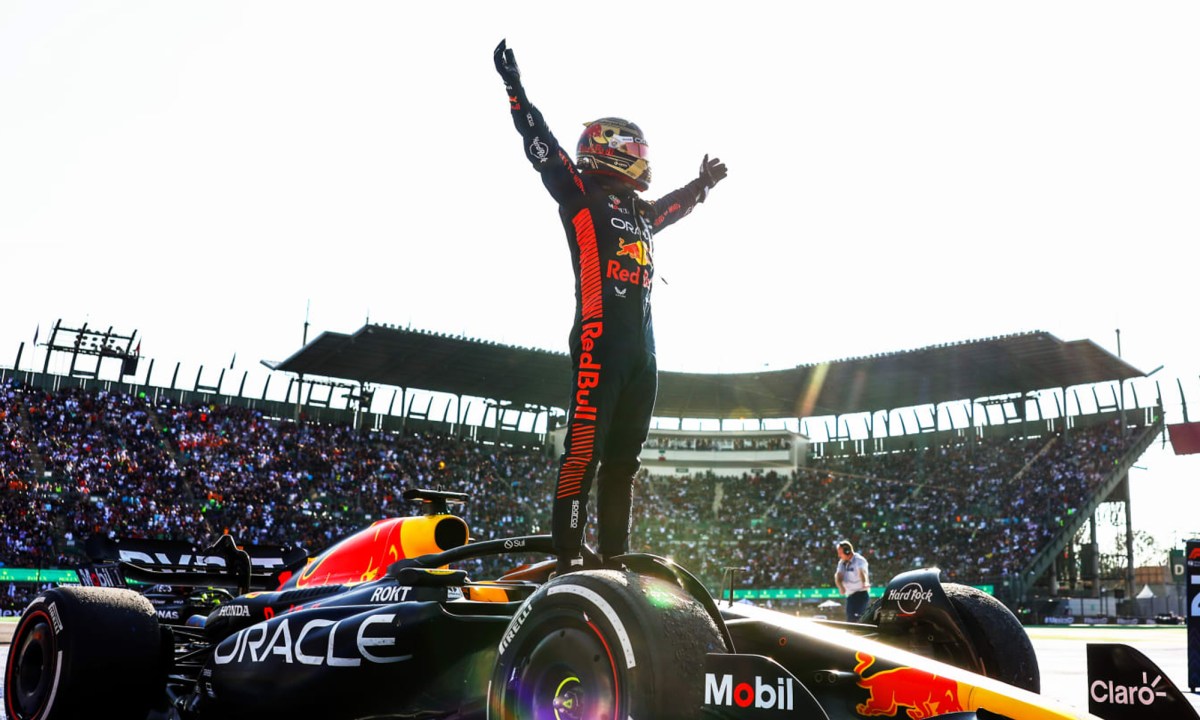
column 1062, row 656
column 1061, row 652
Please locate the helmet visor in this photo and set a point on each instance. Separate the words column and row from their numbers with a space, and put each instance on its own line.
column 629, row 145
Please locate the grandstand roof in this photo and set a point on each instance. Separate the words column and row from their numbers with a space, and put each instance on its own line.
column 1019, row 363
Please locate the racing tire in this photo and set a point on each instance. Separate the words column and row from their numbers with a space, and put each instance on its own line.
column 84, row 652
column 604, row 644
column 1001, row 643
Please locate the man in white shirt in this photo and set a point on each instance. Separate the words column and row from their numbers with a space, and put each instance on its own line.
column 852, row 580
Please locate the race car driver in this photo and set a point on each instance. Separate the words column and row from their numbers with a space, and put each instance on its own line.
column 610, row 230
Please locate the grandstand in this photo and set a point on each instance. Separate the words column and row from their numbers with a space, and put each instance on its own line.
column 985, row 458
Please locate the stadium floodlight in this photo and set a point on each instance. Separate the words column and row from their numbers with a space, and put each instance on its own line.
column 93, row 343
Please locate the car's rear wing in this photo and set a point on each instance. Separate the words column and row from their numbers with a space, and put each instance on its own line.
column 116, row 561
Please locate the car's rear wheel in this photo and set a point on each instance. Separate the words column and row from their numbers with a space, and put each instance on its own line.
column 84, row 651
column 604, row 644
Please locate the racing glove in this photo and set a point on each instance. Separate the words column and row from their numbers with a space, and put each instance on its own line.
column 711, row 172
column 506, row 65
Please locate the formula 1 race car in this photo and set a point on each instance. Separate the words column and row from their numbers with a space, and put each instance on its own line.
column 382, row 625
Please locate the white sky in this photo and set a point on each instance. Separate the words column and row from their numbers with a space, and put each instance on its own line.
column 901, row 175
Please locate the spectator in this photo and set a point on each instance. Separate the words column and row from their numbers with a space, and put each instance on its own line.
column 852, row 580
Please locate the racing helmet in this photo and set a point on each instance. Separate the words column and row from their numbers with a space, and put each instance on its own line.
column 615, row 147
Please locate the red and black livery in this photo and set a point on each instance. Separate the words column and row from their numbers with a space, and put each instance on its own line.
column 634, row 637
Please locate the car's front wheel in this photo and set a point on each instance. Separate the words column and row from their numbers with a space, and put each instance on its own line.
column 1000, row 641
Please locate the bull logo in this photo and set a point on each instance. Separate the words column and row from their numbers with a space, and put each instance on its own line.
column 638, row 250
column 925, row 694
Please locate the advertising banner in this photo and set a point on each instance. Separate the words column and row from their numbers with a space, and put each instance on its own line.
column 1192, row 567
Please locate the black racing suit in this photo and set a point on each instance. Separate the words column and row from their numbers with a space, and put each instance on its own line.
column 610, row 232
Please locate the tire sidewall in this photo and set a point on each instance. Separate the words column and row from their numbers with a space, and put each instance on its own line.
column 615, row 606
column 40, row 612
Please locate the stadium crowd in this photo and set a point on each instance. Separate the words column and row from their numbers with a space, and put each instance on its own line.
column 77, row 462
column 979, row 510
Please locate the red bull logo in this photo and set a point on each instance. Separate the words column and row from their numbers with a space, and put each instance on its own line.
column 583, row 420
column 595, row 134
column 637, row 276
column 588, row 376
column 638, row 250
column 925, row 694
column 364, row 556
column 671, row 209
